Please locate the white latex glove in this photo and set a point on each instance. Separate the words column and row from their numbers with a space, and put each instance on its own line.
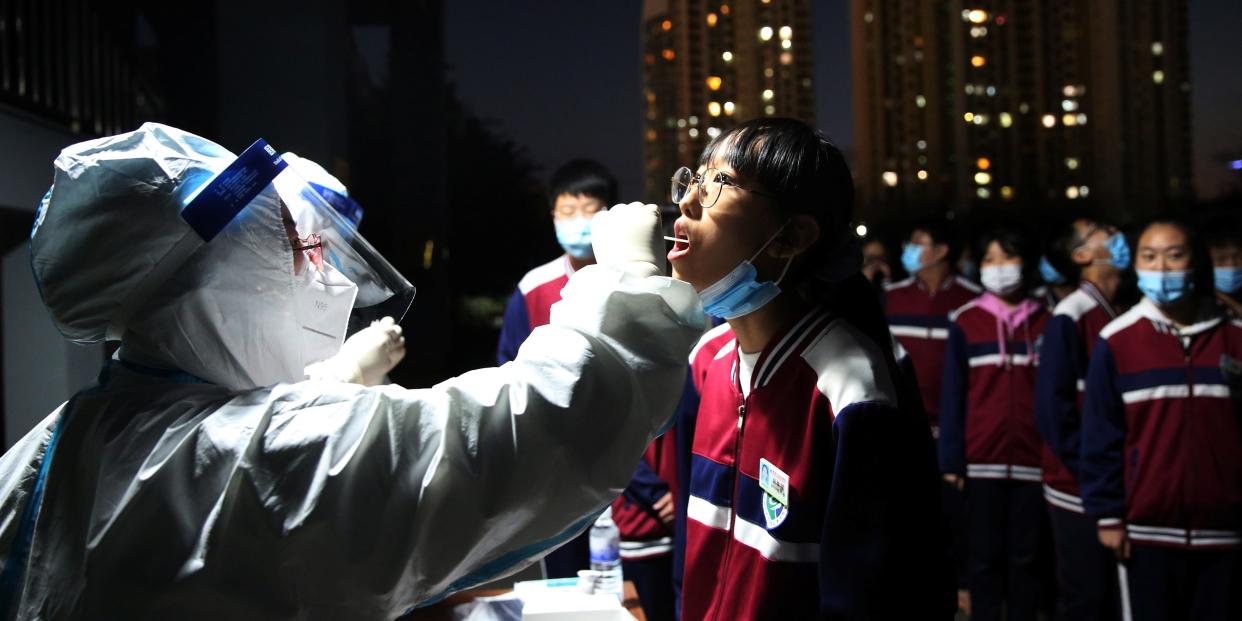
column 364, row 357
column 627, row 235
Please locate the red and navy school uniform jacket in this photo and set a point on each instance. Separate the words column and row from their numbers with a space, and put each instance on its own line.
column 1069, row 337
column 814, row 495
column 531, row 305
column 1161, row 437
column 643, row 534
column 987, row 405
column 920, row 321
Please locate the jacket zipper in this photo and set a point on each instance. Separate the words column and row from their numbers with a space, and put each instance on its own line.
column 737, row 464
column 929, row 314
column 1190, row 399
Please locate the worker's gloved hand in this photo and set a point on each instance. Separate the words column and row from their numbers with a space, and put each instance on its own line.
column 364, row 357
column 629, row 236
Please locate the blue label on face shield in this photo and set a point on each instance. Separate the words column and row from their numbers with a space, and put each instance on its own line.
column 210, row 208
column 343, row 205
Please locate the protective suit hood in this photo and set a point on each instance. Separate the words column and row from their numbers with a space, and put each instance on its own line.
column 104, row 253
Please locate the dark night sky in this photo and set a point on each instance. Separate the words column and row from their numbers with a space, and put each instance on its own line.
column 563, row 78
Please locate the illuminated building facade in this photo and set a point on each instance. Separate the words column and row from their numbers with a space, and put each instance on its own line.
column 709, row 65
column 980, row 104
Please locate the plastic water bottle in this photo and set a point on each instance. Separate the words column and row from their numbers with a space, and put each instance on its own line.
column 606, row 554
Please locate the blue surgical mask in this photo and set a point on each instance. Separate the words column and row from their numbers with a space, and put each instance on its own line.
column 740, row 293
column 1164, row 288
column 1049, row 273
column 1228, row 279
column 574, row 235
column 912, row 257
column 1119, row 251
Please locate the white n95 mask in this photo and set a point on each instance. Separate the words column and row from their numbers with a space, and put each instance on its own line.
column 322, row 304
column 1001, row 279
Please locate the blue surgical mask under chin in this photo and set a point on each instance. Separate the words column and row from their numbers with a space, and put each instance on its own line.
column 1228, row 279
column 912, row 257
column 1164, row 288
column 740, row 293
column 574, row 236
column 1119, row 251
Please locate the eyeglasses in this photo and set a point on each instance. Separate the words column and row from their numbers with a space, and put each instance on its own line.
column 1086, row 238
column 709, row 185
column 312, row 247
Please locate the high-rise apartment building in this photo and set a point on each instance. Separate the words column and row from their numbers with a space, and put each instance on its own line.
column 709, row 65
column 982, row 104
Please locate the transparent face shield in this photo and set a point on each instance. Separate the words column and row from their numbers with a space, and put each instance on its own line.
column 324, row 237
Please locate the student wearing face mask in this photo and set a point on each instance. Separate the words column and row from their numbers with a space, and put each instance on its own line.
column 1223, row 239
column 811, row 489
column 1161, row 458
column 579, row 190
column 989, row 447
column 1098, row 253
column 918, row 307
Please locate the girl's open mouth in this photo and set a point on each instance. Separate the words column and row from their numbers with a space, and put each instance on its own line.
column 681, row 246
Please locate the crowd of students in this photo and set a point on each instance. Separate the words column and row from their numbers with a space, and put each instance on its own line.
column 1080, row 395
column 1119, row 412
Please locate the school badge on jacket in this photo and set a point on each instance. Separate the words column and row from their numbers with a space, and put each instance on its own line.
column 775, row 485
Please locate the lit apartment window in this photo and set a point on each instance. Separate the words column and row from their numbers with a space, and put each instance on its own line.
column 975, row 16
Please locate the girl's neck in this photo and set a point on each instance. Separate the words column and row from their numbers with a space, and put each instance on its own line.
column 755, row 330
column 577, row 263
column 1183, row 313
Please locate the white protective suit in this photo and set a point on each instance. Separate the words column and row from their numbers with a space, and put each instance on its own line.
column 186, row 485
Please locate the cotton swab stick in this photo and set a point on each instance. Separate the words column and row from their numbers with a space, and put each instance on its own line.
column 676, row 239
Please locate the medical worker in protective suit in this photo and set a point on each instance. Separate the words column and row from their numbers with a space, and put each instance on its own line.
column 206, row 477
